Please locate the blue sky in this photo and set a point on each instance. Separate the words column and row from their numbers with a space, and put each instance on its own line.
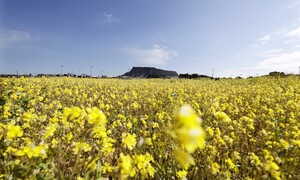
column 234, row 37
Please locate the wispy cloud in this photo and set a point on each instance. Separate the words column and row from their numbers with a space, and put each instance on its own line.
column 285, row 55
column 274, row 51
column 156, row 55
column 270, row 53
column 264, row 38
column 287, row 62
column 280, row 31
column 294, row 4
column 290, row 6
column 287, row 36
column 110, row 18
column 289, row 41
column 9, row 37
column 262, row 41
column 294, row 32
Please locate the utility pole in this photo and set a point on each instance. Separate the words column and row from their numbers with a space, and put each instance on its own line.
column 17, row 72
column 61, row 66
column 213, row 72
column 92, row 71
column 78, row 72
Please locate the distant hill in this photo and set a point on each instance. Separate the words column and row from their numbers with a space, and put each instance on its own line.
column 149, row 72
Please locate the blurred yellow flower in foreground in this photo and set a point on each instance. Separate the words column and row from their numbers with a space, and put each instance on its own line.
column 184, row 158
column 187, row 129
column 125, row 166
column 96, row 116
column 273, row 169
column 189, row 134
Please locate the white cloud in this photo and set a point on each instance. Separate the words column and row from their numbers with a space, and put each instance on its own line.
column 262, row 41
column 10, row 36
column 294, row 4
column 289, row 41
column 110, row 18
column 280, row 31
column 156, row 55
column 264, row 38
column 294, row 32
column 287, row 62
column 270, row 53
column 273, row 51
column 286, row 53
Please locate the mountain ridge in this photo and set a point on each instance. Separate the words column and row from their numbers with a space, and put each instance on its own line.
column 150, row 72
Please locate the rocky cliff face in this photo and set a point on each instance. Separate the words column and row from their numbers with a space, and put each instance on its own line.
column 150, row 72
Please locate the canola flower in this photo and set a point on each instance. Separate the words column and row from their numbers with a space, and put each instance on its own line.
column 14, row 131
column 187, row 129
column 81, row 146
column 52, row 128
column 189, row 134
column 273, row 169
column 129, row 140
column 33, row 151
column 181, row 174
column 126, row 166
column 143, row 164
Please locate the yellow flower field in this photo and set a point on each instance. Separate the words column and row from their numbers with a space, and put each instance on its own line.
column 150, row 128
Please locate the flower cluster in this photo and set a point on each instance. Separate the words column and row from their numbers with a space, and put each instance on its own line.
column 67, row 128
column 189, row 134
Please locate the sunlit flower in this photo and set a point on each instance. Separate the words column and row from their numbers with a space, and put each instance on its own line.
column 14, row 131
column 129, row 140
column 81, row 146
column 126, row 166
column 223, row 116
column 143, row 163
column 181, row 174
column 187, row 129
column 215, row 168
column 50, row 131
column 95, row 116
column 273, row 169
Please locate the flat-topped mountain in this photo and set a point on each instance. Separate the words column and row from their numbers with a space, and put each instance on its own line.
column 150, row 72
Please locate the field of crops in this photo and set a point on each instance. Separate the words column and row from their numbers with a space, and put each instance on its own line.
column 150, row 128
